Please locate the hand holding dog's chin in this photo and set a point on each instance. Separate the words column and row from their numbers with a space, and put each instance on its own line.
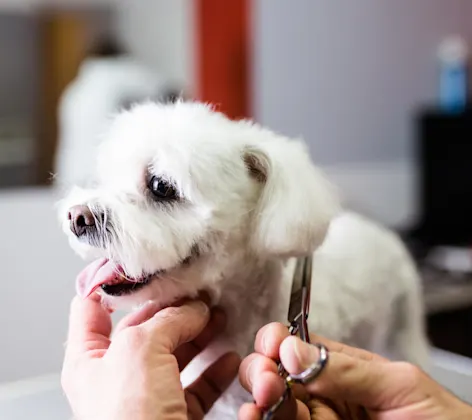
column 135, row 374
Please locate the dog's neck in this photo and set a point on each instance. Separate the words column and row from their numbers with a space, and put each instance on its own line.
column 256, row 291
column 252, row 292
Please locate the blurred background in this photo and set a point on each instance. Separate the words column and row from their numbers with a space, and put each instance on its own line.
column 378, row 89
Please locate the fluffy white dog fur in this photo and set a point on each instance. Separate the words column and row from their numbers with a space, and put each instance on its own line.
column 249, row 200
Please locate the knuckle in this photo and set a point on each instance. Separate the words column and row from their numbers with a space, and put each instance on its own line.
column 350, row 364
column 170, row 313
column 342, row 348
column 370, row 357
column 133, row 337
column 410, row 373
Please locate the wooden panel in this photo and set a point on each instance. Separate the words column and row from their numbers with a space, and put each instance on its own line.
column 62, row 47
column 222, row 43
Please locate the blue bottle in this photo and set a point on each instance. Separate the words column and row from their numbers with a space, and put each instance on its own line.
column 453, row 95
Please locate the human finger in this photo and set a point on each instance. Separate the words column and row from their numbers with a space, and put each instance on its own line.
column 90, row 327
column 137, row 317
column 188, row 351
column 269, row 338
column 202, row 394
column 174, row 326
column 253, row 366
column 293, row 410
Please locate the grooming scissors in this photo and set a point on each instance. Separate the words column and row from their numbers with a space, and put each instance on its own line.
column 297, row 318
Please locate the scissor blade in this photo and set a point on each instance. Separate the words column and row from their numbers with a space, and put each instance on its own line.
column 296, row 296
column 307, row 277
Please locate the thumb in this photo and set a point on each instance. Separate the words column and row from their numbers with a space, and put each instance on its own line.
column 373, row 384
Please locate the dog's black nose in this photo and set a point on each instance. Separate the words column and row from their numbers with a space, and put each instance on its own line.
column 81, row 219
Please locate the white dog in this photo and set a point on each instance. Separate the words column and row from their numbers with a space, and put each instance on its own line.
column 188, row 200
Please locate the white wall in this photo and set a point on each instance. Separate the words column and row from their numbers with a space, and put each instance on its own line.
column 348, row 77
column 160, row 33
column 38, row 272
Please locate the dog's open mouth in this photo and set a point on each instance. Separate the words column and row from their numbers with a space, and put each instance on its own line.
column 110, row 277
column 123, row 286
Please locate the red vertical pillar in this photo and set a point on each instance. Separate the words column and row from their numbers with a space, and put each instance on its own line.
column 223, row 55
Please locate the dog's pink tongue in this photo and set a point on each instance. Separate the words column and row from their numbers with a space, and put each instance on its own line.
column 94, row 275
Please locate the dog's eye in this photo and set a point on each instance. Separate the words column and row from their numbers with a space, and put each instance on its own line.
column 161, row 189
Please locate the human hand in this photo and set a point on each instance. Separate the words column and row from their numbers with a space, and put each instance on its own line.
column 355, row 384
column 136, row 373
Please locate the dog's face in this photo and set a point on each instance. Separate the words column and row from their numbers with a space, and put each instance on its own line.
column 185, row 195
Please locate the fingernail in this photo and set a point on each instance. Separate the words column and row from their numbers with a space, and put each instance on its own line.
column 249, row 373
column 305, row 354
column 264, row 343
column 203, row 307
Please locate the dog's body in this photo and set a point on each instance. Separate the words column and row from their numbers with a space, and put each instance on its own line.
column 188, row 200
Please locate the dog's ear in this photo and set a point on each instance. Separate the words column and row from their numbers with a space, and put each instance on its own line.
column 297, row 203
